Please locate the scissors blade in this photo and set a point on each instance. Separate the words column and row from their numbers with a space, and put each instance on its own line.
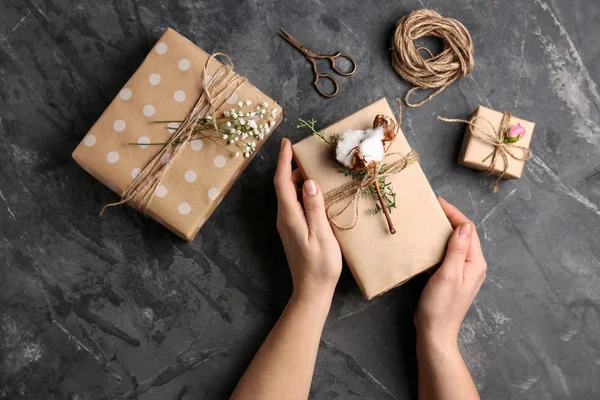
column 292, row 40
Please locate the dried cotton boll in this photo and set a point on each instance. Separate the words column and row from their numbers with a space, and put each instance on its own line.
column 347, row 145
column 371, row 148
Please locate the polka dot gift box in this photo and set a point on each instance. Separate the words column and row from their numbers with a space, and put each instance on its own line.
column 138, row 132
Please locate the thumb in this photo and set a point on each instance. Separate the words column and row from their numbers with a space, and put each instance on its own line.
column 314, row 208
column 458, row 248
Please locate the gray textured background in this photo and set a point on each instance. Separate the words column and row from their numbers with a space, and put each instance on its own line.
column 102, row 308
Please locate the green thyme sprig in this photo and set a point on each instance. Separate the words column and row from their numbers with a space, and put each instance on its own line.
column 332, row 141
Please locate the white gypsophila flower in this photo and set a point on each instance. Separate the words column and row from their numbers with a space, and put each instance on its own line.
column 274, row 111
column 244, row 136
column 232, row 111
column 261, row 136
column 246, row 154
column 248, row 102
column 240, row 103
column 209, row 118
column 234, row 115
column 257, row 108
column 252, row 123
column 242, row 121
column 231, row 141
column 263, row 112
column 237, row 154
column 265, row 104
column 252, row 114
column 228, row 124
column 224, row 137
column 272, row 123
column 226, row 113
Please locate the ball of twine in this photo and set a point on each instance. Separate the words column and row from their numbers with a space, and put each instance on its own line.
column 454, row 62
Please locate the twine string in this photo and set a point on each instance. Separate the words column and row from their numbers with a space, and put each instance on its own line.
column 501, row 149
column 454, row 62
column 140, row 191
column 352, row 191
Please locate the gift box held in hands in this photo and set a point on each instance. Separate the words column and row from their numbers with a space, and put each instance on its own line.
column 139, row 137
column 379, row 260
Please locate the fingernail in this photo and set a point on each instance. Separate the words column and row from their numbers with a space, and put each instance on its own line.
column 310, row 188
column 283, row 142
column 442, row 199
column 464, row 231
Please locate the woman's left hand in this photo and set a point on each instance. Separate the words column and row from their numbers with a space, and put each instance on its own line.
column 312, row 250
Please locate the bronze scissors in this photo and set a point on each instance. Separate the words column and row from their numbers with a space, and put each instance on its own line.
column 312, row 57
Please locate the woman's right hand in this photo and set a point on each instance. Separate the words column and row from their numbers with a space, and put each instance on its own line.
column 451, row 290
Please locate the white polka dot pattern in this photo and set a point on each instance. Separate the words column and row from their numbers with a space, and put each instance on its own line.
column 165, row 158
column 125, row 93
column 213, row 193
column 119, row 125
column 190, row 176
column 154, row 79
column 89, row 140
column 232, row 99
column 143, row 142
column 179, row 96
column 220, row 161
column 112, row 157
column 161, row 191
column 185, row 208
column 161, row 48
column 172, row 127
column 197, row 144
column 184, row 64
column 149, row 110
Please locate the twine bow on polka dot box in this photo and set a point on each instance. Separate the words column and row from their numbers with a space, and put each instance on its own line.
column 178, row 134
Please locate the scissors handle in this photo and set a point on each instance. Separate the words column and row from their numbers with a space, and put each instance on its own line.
column 334, row 67
column 319, row 75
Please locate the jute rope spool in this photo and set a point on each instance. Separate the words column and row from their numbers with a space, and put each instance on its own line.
column 438, row 71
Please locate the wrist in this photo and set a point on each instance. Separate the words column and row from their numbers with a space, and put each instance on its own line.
column 433, row 343
column 315, row 298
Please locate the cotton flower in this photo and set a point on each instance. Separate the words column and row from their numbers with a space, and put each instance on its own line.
column 366, row 144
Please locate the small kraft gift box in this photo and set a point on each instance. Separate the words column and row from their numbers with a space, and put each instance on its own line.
column 496, row 142
column 178, row 134
column 379, row 260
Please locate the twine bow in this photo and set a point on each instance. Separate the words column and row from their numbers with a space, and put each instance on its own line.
column 502, row 149
column 355, row 187
column 141, row 191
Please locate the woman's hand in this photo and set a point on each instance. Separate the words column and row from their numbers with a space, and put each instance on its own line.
column 452, row 288
column 312, row 251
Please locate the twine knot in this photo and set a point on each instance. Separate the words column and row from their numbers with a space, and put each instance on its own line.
column 454, row 62
column 502, row 148
column 353, row 190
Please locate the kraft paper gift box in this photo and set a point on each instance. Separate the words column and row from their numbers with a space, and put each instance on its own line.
column 166, row 86
column 380, row 261
column 474, row 150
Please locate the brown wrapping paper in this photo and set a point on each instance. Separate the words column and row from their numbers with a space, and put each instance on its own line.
column 473, row 150
column 165, row 87
column 378, row 260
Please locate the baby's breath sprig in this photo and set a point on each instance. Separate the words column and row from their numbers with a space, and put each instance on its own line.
column 241, row 127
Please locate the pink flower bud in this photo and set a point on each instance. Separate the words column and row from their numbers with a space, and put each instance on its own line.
column 517, row 130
